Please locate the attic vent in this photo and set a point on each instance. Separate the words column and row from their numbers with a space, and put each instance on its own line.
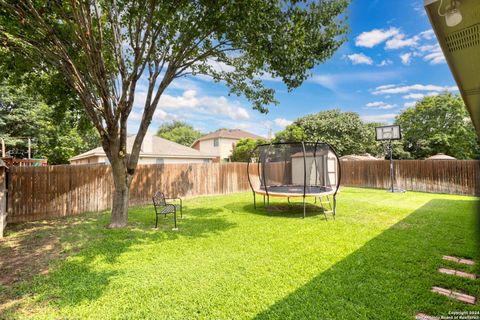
column 464, row 38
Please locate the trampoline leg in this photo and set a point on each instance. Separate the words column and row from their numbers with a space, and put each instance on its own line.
column 264, row 200
column 334, row 206
column 268, row 200
column 304, row 209
column 288, row 199
column 254, row 201
column 323, row 208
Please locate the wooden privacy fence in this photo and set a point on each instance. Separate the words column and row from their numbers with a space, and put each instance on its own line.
column 436, row 176
column 55, row 191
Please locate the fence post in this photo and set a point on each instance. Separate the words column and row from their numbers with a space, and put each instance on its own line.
column 3, row 197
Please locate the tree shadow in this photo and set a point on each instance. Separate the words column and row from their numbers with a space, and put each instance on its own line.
column 71, row 276
column 390, row 277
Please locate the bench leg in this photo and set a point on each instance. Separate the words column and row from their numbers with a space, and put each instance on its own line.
column 175, row 220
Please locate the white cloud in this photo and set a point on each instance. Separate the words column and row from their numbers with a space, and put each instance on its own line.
column 380, row 105
column 406, row 58
column 423, row 44
column 222, row 106
column 332, row 81
column 399, row 41
column 328, row 81
column 418, row 96
column 383, row 118
column 386, row 86
column 427, row 34
column 187, row 100
column 428, row 49
column 385, row 62
column 158, row 115
column 162, row 115
column 431, row 53
column 183, row 84
column 415, row 96
column 360, row 58
column 192, row 101
column 374, row 37
column 267, row 76
column 281, row 122
column 220, row 66
column 135, row 116
column 418, row 7
column 434, row 54
column 410, row 104
column 392, row 89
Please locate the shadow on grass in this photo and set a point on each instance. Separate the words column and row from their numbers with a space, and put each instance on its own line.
column 88, row 242
column 390, row 277
column 283, row 209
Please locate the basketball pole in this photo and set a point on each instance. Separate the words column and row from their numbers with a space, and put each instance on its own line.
column 391, row 164
column 392, row 170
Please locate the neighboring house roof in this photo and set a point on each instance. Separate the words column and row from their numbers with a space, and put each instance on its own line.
column 153, row 147
column 441, row 156
column 228, row 134
column 3, row 164
column 358, row 157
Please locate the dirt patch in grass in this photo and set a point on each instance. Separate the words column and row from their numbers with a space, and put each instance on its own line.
column 28, row 251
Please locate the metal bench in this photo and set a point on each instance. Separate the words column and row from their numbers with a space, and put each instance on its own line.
column 162, row 207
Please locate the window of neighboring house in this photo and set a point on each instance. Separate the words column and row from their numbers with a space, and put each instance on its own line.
column 159, row 161
column 215, row 142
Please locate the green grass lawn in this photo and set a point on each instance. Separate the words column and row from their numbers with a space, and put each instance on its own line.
column 377, row 260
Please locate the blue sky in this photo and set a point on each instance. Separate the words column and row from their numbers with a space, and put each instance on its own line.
column 391, row 60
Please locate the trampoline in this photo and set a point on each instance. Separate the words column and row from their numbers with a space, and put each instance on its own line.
column 295, row 169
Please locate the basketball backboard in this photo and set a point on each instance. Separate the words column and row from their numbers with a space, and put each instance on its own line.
column 388, row 133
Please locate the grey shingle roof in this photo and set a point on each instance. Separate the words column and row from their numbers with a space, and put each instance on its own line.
column 159, row 148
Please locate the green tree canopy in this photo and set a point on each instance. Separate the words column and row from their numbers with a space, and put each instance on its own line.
column 179, row 132
column 345, row 131
column 439, row 124
column 57, row 138
column 243, row 149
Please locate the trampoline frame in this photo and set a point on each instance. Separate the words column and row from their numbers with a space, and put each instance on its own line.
column 265, row 193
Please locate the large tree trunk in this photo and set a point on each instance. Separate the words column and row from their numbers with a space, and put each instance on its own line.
column 122, row 181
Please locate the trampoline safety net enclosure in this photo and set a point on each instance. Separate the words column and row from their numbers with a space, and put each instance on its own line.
column 296, row 169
